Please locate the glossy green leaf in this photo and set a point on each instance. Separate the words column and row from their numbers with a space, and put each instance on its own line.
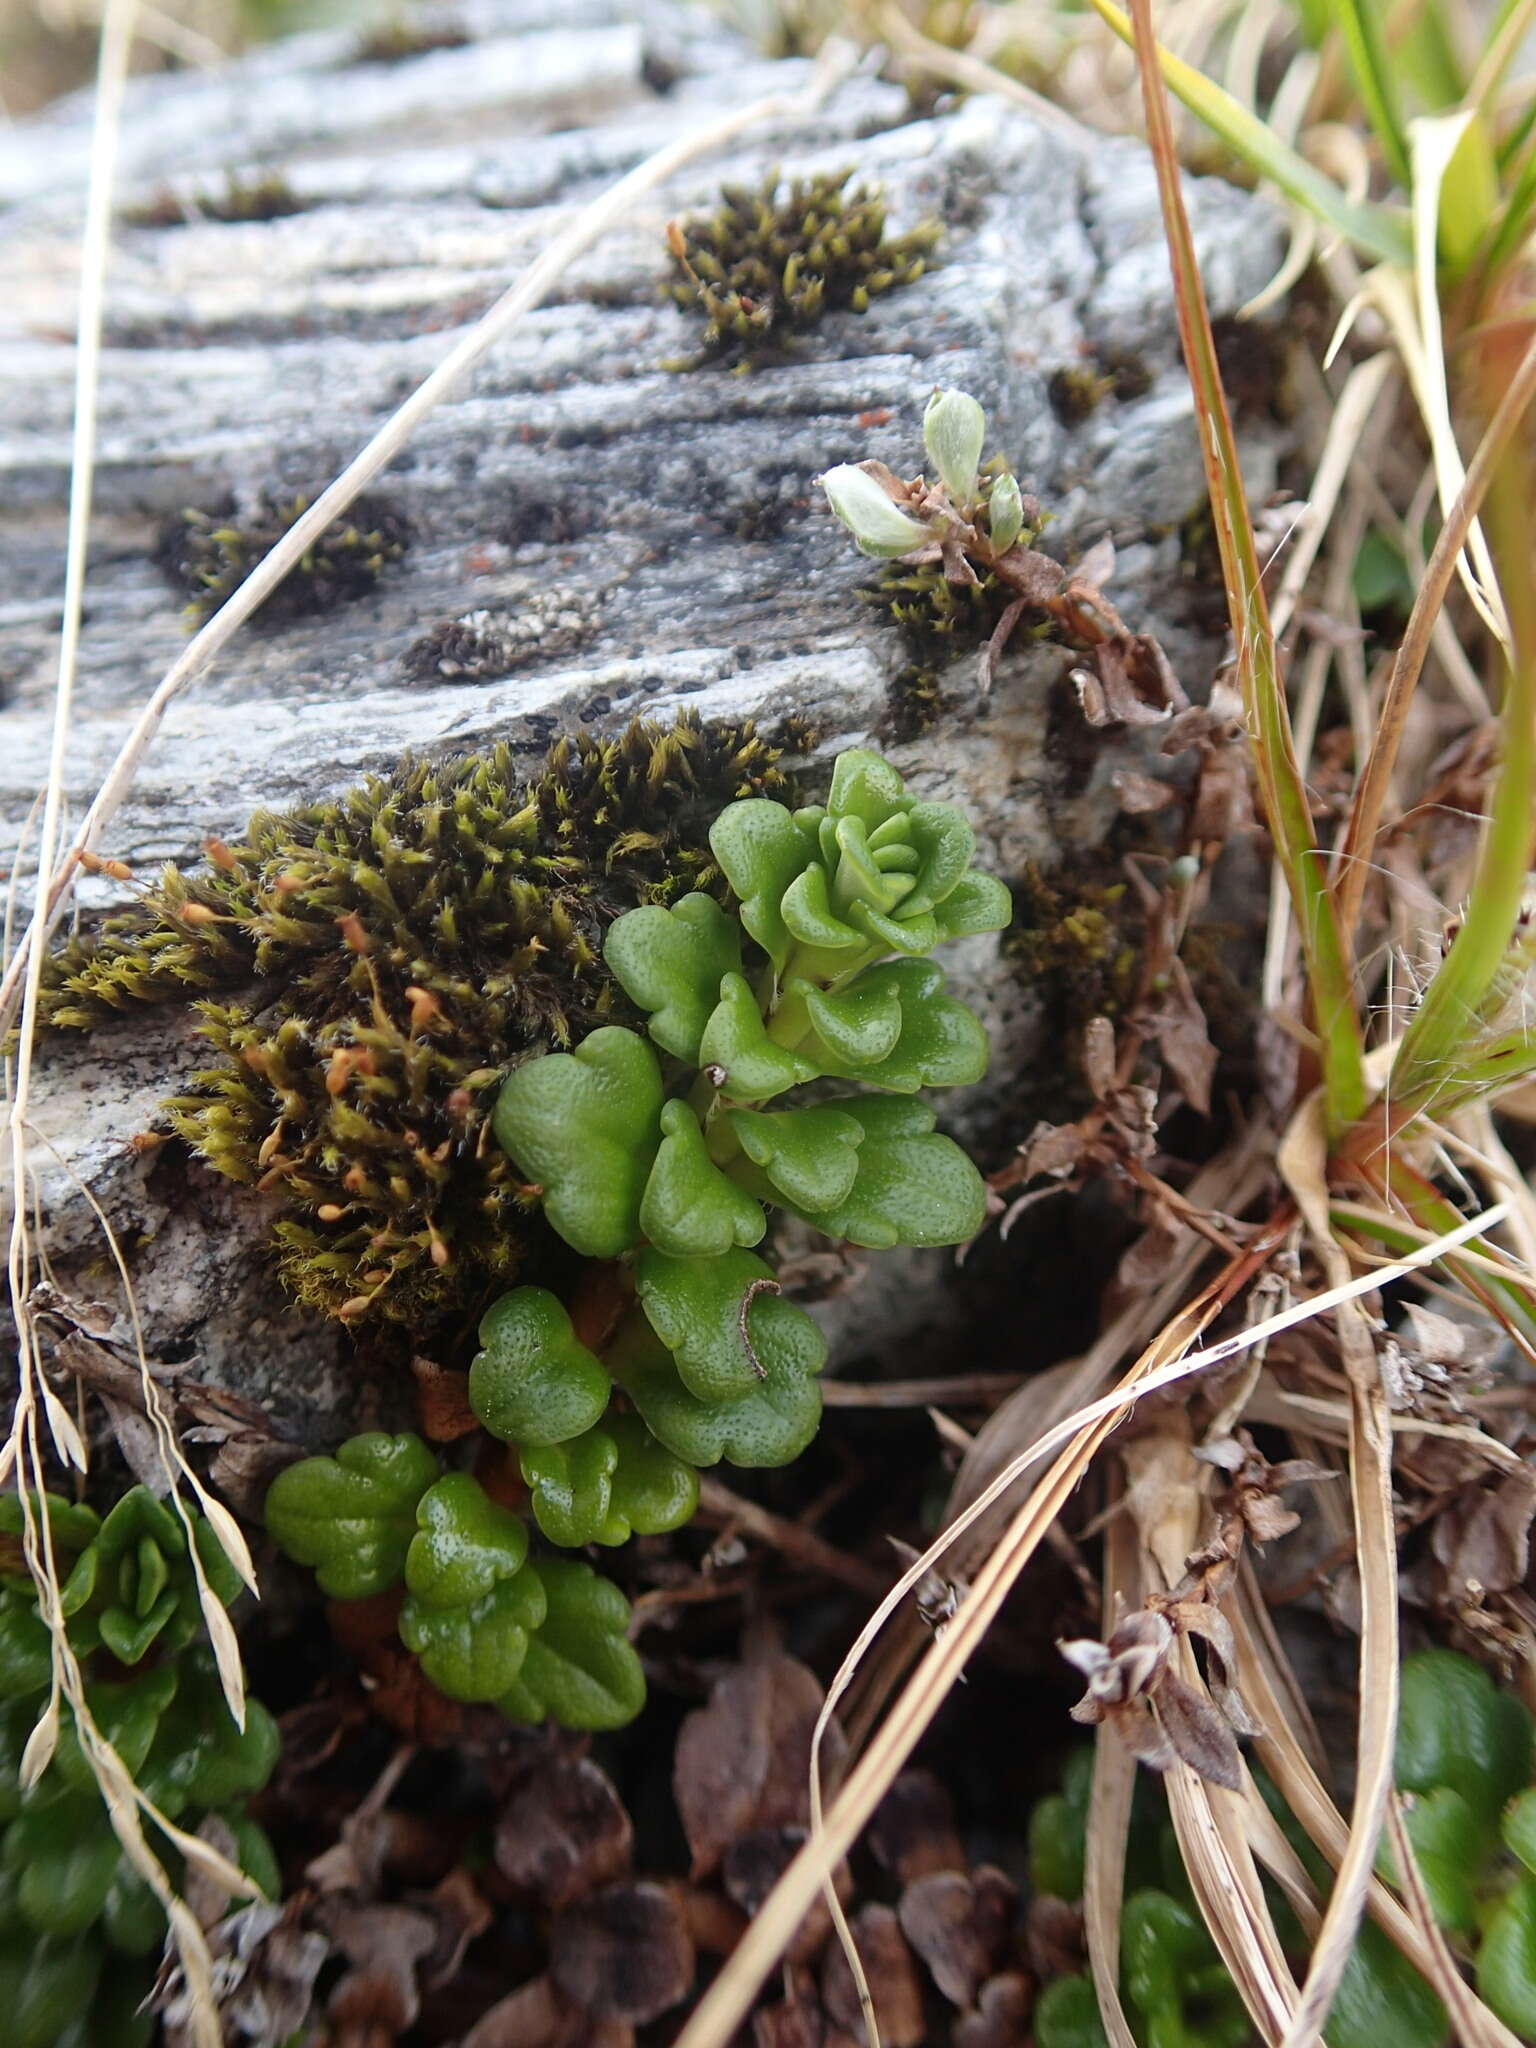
column 44, row 1987
column 132, row 1918
column 1518, row 1828
column 352, row 1517
column 1448, row 1842
column 128, row 1713
column 612, row 1483
column 1175, row 1979
column 65, row 1855
column 736, row 1040
column 583, row 1127
column 114, row 2014
column 761, row 850
column 809, row 1156
column 768, row 1426
column 860, row 1025
column 1066, row 2015
column 941, row 836
column 472, row 1602
column 810, row 918
column 581, row 1669
column 721, row 1318
column 1457, row 1728
column 954, row 426
column 136, row 1583
column 1058, row 1832
column 977, row 903
column 912, row 1185
column 26, row 1652
column 689, row 1207
column 942, row 1044
column 199, row 1758
column 465, row 1545
column 534, row 1381
column 72, row 1526
column 669, row 960
column 1506, row 1959
column 1383, row 2000
column 476, row 1652
column 865, row 786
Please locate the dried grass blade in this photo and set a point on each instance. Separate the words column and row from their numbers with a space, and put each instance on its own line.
column 1370, row 1467
column 1474, row 2026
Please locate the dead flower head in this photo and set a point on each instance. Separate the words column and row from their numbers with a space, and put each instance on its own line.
column 1161, row 1717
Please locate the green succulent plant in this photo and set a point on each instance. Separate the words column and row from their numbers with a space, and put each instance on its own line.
column 1463, row 1760
column 672, row 1171
column 81, row 1931
column 770, row 261
column 544, row 1639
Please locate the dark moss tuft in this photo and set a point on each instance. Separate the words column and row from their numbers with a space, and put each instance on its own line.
column 397, row 39
column 209, row 554
column 771, row 261
column 265, row 196
column 409, row 942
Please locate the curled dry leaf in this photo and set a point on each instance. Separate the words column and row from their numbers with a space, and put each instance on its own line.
column 1001, row 2018
column 539, row 2015
column 1482, row 1537
column 563, row 1833
column 959, row 1926
column 913, row 1830
column 442, row 1402
column 1251, row 1506
column 753, row 1865
column 624, row 1953
column 379, row 1993
column 892, row 1976
column 1177, row 1022
column 265, row 1962
column 741, row 1761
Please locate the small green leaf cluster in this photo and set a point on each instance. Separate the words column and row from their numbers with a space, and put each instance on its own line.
column 770, row 261
column 80, row 1930
column 210, row 554
column 821, row 975
column 1464, row 1764
column 540, row 1640
column 408, row 941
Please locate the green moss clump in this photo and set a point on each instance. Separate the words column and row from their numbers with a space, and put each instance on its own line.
column 397, row 39
column 267, row 195
column 210, row 554
column 764, row 268
column 411, row 940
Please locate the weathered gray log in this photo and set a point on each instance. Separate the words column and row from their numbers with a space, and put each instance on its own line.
column 241, row 356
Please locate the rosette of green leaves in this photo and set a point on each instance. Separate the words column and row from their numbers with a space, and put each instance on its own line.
column 80, row 1929
column 130, row 1582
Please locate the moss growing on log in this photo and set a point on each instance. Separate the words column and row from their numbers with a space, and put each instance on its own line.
column 210, row 554
column 764, row 268
column 410, row 940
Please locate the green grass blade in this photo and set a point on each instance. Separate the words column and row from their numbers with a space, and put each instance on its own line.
column 1379, row 231
column 1432, row 1046
column 1367, row 60
column 1287, row 811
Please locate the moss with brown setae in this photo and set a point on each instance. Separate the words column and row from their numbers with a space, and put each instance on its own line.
column 409, row 941
column 209, row 554
column 770, row 261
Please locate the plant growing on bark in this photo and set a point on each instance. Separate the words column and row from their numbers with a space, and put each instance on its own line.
column 80, row 1929
column 962, row 565
column 677, row 1349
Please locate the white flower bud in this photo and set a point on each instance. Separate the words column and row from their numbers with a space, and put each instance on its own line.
column 878, row 526
column 953, row 427
column 1005, row 513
